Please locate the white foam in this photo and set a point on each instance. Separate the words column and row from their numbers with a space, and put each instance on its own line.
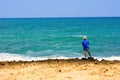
column 109, row 58
column 18, row 57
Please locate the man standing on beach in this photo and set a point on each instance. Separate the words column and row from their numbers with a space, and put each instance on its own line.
column 85, row 44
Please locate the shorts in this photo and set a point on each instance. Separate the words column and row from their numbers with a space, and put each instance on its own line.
column 86, row 49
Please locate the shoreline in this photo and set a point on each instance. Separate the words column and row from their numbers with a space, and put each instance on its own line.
column 73, row 60
column 60, row 69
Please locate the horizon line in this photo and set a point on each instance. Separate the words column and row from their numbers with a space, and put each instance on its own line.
column 64, row 17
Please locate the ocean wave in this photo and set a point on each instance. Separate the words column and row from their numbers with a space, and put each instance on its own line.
column 108, row 58
column 77, row 36
column 18, row 57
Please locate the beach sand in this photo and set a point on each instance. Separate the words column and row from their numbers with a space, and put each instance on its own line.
column 69, row 69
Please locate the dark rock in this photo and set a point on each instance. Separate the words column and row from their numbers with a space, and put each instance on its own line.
column 83, row 59
column 60, row 70
column 91, row 59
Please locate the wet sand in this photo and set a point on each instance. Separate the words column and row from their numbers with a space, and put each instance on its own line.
column 70, row 69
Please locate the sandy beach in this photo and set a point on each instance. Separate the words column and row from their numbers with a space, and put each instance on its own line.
column 70, row 69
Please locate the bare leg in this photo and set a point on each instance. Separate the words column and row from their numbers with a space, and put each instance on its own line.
column 84, row 53
column 89, row 53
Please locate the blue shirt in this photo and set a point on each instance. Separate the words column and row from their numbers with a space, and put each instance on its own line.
column 85, row 44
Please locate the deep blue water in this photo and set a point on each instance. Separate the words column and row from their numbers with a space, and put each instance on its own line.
column 38, row 38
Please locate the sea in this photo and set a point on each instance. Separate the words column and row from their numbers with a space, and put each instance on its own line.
column 28, row 39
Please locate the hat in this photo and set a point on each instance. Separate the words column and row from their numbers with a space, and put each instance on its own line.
column 84, row 37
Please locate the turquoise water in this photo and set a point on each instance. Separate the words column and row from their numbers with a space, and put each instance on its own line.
column 43, row 38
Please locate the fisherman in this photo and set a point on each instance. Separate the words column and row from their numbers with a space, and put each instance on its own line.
column 85, row 44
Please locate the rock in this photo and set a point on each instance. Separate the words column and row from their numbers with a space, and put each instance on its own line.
column 83, row 58
column 91, row 59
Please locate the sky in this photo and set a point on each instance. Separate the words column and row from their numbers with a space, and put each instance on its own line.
column 59, row 8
